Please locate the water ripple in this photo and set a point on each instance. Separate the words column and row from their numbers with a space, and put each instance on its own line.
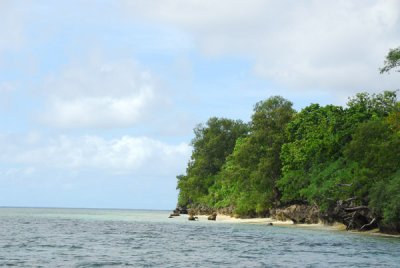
column 94, row 238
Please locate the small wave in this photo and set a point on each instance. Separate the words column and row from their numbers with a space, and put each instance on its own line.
column 102, row 264
column 23, row 245
column 75, row 247
column 12, row 264
column 312, row 244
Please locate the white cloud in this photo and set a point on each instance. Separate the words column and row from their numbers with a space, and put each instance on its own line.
column 334, row 46
column 124, row 155
column 98, row 93
column 100, row 111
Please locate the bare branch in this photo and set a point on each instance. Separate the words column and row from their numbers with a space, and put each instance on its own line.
column 368, row 224
column 345, row 184
column 356, row 208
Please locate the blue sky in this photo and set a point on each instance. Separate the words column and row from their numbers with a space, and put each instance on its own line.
column 98, row 99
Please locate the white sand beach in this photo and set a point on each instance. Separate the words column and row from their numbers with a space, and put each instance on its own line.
column 229, row 219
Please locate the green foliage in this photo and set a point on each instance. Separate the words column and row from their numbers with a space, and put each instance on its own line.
column 247, row 180
column 235, row 174
column 385, row 199
column 392, row 60
column 375, row 147
column 393, row 119
column 327, row 146
column 316, row 136
column 212, row 144
column 325, row 179
column 364, row 106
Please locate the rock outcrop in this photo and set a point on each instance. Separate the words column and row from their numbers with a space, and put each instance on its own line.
column 192, row 215
column 180, row 210
column 175, row 213
column 212, row 217
column 297, row 214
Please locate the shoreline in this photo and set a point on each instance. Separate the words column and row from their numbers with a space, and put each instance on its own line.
column 339, row 227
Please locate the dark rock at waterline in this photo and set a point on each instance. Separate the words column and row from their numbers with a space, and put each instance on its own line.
column 212, row 217
column 180, row 210
column 177, row 211
column 192, row 215
column 192, row 218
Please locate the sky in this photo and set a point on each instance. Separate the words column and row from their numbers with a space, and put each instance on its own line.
column 98, row 99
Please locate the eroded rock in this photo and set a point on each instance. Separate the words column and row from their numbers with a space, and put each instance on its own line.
column 212, row 217
column 297, row 214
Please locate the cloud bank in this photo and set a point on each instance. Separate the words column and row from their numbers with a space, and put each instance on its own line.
column 334, row 46
column 123, row 155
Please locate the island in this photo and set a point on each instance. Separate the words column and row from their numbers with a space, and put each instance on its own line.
column 324, row 163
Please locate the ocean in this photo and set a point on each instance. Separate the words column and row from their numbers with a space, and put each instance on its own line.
column 54, row 237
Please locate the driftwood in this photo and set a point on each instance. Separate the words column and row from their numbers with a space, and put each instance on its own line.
column 368, row 224
column 355, row 208
column 354, row 214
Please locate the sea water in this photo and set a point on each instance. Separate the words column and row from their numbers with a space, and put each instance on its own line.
column 37, row 237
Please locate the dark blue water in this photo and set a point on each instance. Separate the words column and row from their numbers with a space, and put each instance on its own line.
column 120, row 238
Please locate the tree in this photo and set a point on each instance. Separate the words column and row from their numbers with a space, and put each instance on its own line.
column 315, row 137
column 385, row 201
column 375, row 148
column 269, row 122
column 364, row 106
column 392, row 60
column 212, row 143
column 248, row 178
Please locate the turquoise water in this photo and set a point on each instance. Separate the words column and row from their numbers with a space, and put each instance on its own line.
column 120, row 238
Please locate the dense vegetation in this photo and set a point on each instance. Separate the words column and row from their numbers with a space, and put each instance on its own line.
column 318, row 156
